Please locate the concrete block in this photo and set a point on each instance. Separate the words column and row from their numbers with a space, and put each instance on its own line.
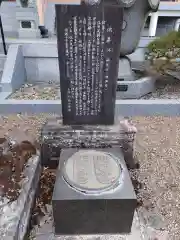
column 8, row 16
column 138, row 55
column 28, row 33
column 14, row 74
column 28, row 22
column 2, row 60
column 36, row 72
column 135, row 89
column 36, row 57
column 40, row 50
column 26, row 14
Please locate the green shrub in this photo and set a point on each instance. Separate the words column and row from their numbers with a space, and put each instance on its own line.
column 163, row 44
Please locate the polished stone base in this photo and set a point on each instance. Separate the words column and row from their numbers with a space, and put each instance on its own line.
column 84, row 201
column 45, row 230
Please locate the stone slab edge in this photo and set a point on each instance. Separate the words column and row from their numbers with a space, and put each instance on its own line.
column 19, row 211
column 174, row 74
column 138, row 88
column 4, row 95
column 123, row 107
column 14, row 74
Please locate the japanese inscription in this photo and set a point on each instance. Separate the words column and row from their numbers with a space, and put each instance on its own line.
column 89, row 47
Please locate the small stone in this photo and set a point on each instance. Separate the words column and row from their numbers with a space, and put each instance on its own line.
column 160, row 63
column 155, row 221
column 153, row 234
column 169, row 54
column 161, row 60
column 172, row 60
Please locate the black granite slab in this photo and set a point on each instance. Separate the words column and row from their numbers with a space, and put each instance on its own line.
column 89, row 39
column 109, row 212
column 46, row 231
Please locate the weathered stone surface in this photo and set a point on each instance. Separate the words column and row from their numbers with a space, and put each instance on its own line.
column 14, row 216
column 13, row 158
column 55, row 136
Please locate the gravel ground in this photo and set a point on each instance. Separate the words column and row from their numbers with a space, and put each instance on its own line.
column 157, row 148
column 166, row 88
column 11, row 125
column 47, row 91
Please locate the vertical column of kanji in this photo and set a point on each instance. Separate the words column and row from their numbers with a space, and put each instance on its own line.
column 112, row 38
column 109, row 51
column 77, row 83
column 68, row 69
column 93, row 53
column 101, row 40
column 82, row 66
column 86, row 82
column 89, row 64
column 98, row 69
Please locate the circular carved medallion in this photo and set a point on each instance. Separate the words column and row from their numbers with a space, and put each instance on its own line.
column 92, row 171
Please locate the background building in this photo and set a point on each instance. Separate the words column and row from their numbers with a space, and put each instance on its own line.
column 164, row 20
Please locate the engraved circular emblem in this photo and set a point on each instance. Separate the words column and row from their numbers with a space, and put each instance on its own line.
column 92, row 171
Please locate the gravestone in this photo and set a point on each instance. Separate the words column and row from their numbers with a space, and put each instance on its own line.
column 89, row 48
column 93, row 193
column 92, row 178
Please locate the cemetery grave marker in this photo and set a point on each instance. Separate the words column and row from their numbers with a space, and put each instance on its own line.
column 91, row 183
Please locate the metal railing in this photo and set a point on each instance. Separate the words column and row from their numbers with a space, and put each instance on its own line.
column 2, row 34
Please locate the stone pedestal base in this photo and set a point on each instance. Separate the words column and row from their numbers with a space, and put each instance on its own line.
column 93, row 193
column 28, row 22
column 135, row 89
column 55, row 136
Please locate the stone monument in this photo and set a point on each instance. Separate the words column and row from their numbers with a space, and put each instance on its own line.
column 88, row 59
column 27, row 18
column 93, row 192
